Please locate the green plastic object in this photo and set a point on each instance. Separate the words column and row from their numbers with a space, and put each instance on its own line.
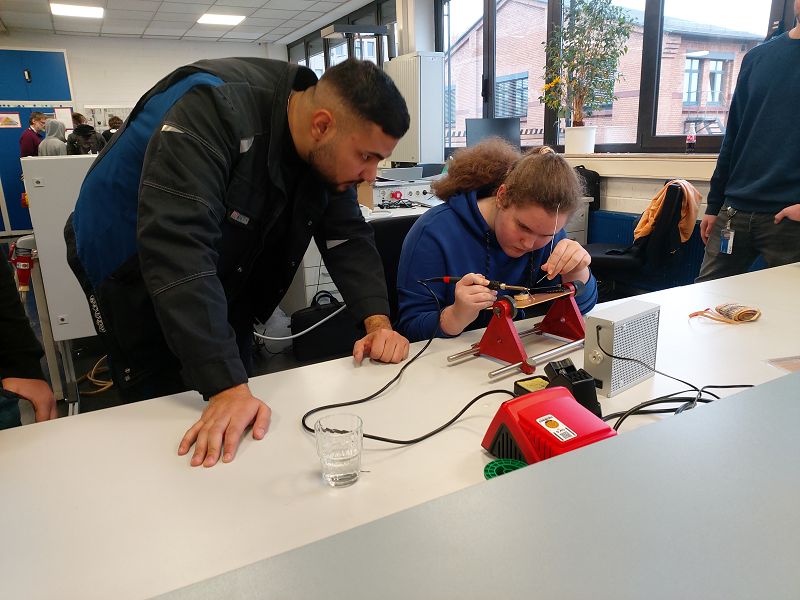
column 502, row 466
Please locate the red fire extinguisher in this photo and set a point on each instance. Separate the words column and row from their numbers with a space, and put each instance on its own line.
column 22, row 261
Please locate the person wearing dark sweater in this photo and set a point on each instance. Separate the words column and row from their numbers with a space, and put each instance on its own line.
column 20, row 355
column 752, row 204
column 503, row 220
column 31, row 138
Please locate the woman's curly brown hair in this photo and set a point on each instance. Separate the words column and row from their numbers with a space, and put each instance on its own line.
column 484, row 165
column 540, row 177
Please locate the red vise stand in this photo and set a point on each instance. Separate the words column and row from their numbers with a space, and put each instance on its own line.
column 501, row 339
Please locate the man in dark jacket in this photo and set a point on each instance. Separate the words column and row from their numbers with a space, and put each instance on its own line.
column 193, row 220
column 20, row 353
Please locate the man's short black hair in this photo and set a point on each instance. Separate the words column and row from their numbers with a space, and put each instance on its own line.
column 371, row 94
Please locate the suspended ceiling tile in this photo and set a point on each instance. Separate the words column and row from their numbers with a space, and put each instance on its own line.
column 208, row 31
column 240, row 35
column 290, row 4
column 274, row 13
column 136, row 15
column 326, row 6
column 22, row 20
column 151, row 5
column 39, row 8
column 77, row 24
column 126, row 26
column 283, row 30
column 248, row 29
column 247, row 3
column 166, row 28
column 253, row 22
column 175, row 17
column 161, row 37
column 195, row 38
column 179, row 7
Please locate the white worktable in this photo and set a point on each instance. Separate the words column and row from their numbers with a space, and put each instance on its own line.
column 99, row 505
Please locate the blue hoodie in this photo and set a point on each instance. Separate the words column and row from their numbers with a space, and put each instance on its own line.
column 454, row 239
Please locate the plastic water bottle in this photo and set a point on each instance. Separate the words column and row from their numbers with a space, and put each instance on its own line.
column 691, row 138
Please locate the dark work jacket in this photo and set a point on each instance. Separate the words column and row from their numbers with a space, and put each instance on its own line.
column 170, row 250
column 20, row 352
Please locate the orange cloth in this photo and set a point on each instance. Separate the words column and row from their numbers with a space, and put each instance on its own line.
column 689, row 208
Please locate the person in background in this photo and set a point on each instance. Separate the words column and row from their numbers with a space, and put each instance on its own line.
column 20, row 356
column 114, row 123
column 752, row 205
column 503, row 220
column 31, row 138
column 85, row 140
column 54, row 142
column 191, row 225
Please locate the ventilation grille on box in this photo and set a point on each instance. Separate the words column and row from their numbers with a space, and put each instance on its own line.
column 635, row 338
column 504, row 446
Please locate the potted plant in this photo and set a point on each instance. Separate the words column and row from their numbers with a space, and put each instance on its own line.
column 582, row 64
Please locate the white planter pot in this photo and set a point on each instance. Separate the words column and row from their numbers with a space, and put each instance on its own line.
column 580, row 140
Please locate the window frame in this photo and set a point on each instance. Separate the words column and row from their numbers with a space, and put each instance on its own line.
column 781, row 17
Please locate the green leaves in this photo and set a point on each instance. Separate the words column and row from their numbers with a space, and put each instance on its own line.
column 583, row 57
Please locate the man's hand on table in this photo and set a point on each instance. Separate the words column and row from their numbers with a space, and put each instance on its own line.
column 381, row 343
column 35, row 391
column 222, row 424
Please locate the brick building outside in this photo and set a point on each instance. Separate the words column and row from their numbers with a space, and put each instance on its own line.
column 699, row 66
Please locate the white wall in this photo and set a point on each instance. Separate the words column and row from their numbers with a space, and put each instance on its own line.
column 114, row 71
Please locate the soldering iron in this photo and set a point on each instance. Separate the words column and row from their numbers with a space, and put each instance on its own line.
column 493, row 285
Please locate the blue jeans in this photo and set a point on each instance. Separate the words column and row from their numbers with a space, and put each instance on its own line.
column 756, row 235
column 9, row 411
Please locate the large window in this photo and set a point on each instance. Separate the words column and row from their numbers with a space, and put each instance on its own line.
column 716, row 71
column 316, row 56
column 691, row 81
column 702, row 45
column 519, row 65
column 463, row 66
column 511, row 96
column 337, row 52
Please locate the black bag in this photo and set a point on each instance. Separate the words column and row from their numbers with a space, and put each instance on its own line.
column 591, row 184
column 332, row 339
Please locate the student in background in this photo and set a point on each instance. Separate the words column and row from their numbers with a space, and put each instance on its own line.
column 503, row 220
column 31, row 138
column 85, row 140
column 114, row 123
column 20, row 355
column 54, row 142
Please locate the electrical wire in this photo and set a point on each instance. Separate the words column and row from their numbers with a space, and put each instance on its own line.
column 688, row 402
column 305, row 331
column 92, row 376
column 425, row 436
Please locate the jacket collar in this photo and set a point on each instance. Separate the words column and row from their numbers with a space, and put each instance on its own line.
column 298, row 78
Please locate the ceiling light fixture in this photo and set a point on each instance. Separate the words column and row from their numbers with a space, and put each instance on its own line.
column 209, row 19
column 71, row 10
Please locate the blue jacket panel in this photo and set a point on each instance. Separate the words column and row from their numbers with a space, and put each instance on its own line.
column 454, row 239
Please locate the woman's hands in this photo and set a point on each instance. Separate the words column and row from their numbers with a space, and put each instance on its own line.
column 472, row 296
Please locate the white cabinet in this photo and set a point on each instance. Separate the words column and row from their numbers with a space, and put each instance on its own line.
column 577, row 228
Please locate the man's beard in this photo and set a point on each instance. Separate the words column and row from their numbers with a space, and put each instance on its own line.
column 321, row 161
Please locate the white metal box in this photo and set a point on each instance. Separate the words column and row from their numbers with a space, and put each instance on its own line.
column 628, row 330
column 420, row 78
